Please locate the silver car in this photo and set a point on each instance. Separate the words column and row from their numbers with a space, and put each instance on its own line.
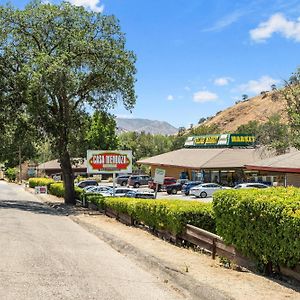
column 206, row 189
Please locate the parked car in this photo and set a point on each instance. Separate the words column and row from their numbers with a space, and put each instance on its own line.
column 206, row 189
column 89, row 187
column 85, row 183
column 140, row 194
column 188, row 185
column 173, row 188
column 138, row 180
column 162, row 187
column 122, row 180
column 99, row 189
column 251, row 185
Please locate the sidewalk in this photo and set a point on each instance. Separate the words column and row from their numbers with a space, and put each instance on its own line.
column 190, row 270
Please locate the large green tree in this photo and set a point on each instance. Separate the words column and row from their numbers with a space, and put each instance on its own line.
column 291, row 94
column 62, row 60
column 101, row 133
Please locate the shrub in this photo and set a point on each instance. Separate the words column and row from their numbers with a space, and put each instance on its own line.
column 171, row 215
column 57, row 189
column 96, row 199
column 263, row 224
column 11, row 174
column 33, row 182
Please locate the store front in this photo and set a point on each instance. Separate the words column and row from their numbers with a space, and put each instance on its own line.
column 210, row 159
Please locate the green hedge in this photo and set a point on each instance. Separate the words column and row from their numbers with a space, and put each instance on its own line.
column 33, row 182
column 54, row 188
column 263, row 224
column 171, row 215
column 57, row 189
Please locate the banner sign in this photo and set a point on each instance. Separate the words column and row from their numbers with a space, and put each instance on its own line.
column 109, row 161
column 159, row 176
column 220, row 140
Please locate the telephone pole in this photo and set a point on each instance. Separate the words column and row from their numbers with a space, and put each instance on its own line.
column 20, row 167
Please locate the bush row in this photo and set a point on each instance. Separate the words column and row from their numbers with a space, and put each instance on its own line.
column 171, row 215
column 54, row 188
column 33, row 182
column 263, row 224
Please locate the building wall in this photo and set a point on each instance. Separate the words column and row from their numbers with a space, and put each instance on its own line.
column 171, row 171
column 293, row 179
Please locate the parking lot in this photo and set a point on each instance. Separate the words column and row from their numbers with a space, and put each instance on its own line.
column 163, row 195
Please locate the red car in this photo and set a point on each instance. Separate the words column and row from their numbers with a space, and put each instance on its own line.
column 167, row 181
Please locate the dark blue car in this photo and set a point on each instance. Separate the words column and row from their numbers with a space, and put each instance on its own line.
column 187, row 186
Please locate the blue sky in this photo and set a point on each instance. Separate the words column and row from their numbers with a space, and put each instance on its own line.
column 198, row 57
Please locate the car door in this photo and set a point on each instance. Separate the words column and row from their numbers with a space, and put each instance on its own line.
column 211, row 188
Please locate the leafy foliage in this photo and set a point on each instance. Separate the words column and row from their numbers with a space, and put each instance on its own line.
column 59, row 60
column 273, row 134
column 11, row 174
column 262, row 224
column 33, row 182
column 171, row 215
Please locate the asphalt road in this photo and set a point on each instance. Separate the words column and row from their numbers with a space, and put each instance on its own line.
column 44, row 255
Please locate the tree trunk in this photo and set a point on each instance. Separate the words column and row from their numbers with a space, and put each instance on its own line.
column 68, row 178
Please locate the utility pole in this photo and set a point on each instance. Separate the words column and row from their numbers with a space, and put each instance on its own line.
column 20, row 167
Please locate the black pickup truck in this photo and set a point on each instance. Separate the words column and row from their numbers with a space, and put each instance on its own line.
column 172, row 189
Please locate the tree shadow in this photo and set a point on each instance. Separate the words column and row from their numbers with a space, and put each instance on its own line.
column 34, row 207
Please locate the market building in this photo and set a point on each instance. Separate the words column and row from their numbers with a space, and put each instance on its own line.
column 282, row 170
column 211, row 158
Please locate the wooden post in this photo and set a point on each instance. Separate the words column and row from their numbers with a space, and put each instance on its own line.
column 114, row 184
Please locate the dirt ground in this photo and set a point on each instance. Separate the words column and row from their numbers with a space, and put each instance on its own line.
column 192, row 269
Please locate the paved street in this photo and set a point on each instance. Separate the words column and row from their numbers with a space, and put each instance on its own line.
column 48, row 256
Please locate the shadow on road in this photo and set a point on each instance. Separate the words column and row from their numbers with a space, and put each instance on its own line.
column 34, row 207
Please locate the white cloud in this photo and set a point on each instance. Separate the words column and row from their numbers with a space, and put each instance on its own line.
column 204, row 96
column 223, row 81
column 256, row 86
column 170, row 98
column 277, row 23
column 225, row 21
column 187, row 88
column 90, row 4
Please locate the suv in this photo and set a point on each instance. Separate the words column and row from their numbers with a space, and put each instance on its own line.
column 85, row 183
column 122, row 179
column 138, row 180
column 188, row 185
column 167, row 181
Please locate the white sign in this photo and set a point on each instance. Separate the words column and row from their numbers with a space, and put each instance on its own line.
column 109, row 161
column 159, row 176
column 40, row 190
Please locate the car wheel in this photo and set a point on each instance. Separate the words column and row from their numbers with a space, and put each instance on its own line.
column 136, row 185
column 174, row 191
column 123, row 183
column 203, row 194
column 186, row 194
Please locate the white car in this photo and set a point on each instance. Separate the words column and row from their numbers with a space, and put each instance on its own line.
column 99, row 189
column 251, row 185
column 119, row 192
column 206, row 189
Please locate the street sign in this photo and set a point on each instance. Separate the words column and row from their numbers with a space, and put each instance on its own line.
column 109, row 161
column 159, row 176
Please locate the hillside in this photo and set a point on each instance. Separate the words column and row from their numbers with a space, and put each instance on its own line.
column 148, row 126
column 258, row 108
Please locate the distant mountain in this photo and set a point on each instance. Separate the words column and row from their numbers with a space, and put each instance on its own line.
column 148, row 126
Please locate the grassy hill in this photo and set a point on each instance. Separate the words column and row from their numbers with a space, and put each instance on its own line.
column 257, row 108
